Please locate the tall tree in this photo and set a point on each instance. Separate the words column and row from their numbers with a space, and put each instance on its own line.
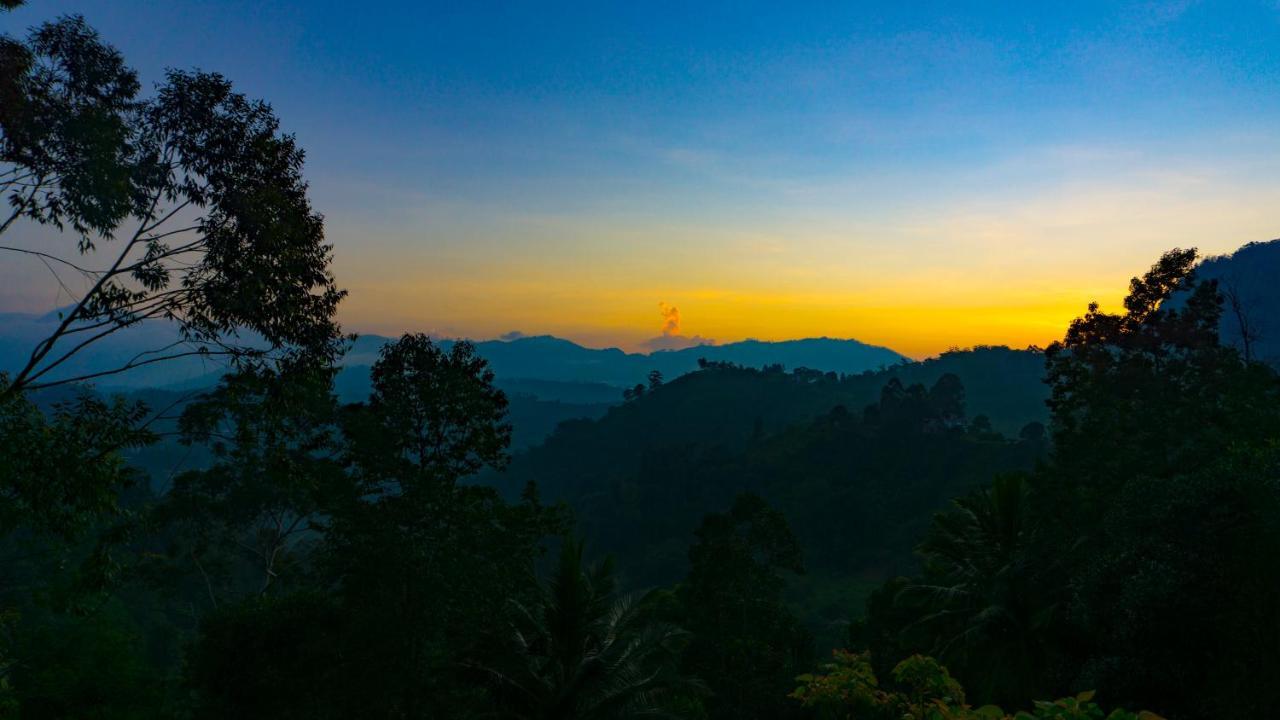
column 405, row 528
column 188, row 207
column 252, row 512
column 979, row 586
column 746, row 645
column 580, row 652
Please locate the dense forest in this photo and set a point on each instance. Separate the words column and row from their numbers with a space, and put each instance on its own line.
column 992, row 533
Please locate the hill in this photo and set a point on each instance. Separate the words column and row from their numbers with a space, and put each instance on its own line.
column 1251, row 298
column 550, row 359
column 858, row 485
column 542, row 359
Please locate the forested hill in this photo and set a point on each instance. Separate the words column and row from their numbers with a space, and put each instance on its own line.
column 547, row 358
column 726, row 405
column 1251, row 298
column 643, row 475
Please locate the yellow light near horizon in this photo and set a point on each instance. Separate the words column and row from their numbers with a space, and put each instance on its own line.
column 913, row 320
column 969, row 273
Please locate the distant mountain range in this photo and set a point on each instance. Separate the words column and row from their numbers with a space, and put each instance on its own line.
column 552, row 359
column 543, row 362
column 557, row 369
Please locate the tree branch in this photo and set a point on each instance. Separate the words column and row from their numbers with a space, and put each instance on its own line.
column 43, row 347
column 21, row 208
column 123, row 368
column 84, row 271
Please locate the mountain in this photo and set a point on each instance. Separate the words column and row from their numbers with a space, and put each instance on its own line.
column 1251, row 297
column 542, row 359
column 536, row 407
column 551, row 359
column 858, row 487
column 19, row 334
column 726, row 406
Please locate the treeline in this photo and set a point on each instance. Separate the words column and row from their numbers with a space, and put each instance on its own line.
column 859, row 485
column 1137, row 560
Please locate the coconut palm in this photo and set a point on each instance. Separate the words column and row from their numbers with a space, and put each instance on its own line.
column 985, row 614
column 579, row 652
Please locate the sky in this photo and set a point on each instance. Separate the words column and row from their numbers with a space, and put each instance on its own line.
column 920, row 175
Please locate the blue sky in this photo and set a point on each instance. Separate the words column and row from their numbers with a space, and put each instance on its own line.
column 915, row 174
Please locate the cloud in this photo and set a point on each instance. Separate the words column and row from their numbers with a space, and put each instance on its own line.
column 513, row 335
column 671, row 339
column 670, row 319
column 676, row 342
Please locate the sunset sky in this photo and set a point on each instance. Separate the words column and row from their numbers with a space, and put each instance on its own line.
column 912, row 174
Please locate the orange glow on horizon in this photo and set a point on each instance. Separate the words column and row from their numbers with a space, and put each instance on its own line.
column 916, row 329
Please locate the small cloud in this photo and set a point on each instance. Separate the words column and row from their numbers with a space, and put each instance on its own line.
column 676, row 342
column 513, row 335
column 670, row 319
column 671, row 339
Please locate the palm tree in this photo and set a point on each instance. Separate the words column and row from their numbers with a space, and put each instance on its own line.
column 985, row 613
column 579, row 652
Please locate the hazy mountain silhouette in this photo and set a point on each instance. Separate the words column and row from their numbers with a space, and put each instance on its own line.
column 538, row 359
column 547, row 358
column 1247, row 280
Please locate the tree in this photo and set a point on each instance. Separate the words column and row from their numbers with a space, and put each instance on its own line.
column 71, row 663
column 1160, row 436
column 1032, row 432
column 1178, row 610
column 61, row 471
column 655, row 379
column 947, row 398
column 275, row 457
column 1244, row 312
column 979, row 592
column 1167, row 358
column 193, row 199
column 921, row 689
column 279, row 656
column 746, row 645
column 434, row 413
column 580, row 652
column 402, row 528
column 1148, row 393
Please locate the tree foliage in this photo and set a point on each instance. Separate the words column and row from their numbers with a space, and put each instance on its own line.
column 1122, row 563
column 187, row 207
column 578, row 650
column 922, row 689
column 746, row 644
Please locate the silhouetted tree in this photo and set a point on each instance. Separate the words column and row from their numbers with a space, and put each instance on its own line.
column 747, row 647
column 279, row 656
column 947, row 398
column 655, row 379
column 194, row 196
column 61, row 471
column 980, row 593
column 580, row 651
column 1032, row 432
column 405, row 528
column 273, row 438
column 1243, row 313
